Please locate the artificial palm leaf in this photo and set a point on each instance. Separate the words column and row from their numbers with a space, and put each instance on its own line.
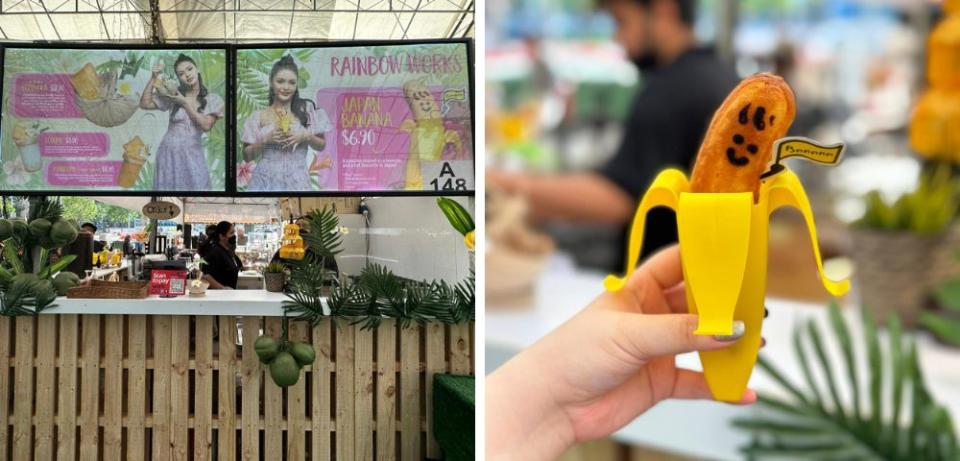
column 323, row 233
column 809, row 427
column 305, row 298
column 47, row 209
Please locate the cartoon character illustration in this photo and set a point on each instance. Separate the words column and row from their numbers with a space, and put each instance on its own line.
column 181, row 162
column 283, row 133
column 428, row 135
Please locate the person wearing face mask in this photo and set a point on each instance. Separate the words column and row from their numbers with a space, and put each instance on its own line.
column 682, row 84
column 222, row 265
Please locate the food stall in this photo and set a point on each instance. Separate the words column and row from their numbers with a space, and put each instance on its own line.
column 337, row 364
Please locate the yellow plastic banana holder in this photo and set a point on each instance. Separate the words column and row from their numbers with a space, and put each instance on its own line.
column 723, row 251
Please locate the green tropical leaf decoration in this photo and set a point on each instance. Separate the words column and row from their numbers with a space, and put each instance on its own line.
column 868, row 427
column 377, row 294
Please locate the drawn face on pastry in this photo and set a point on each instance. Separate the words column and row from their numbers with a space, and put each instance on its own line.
column 753, row 120
column 757, row 119
column 422, row 103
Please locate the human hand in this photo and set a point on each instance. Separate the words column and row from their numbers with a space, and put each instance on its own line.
column 502, row 181
column 157, row 68
column 180, row 99
column 294, row 137
column 270, row 134
column 601, row 369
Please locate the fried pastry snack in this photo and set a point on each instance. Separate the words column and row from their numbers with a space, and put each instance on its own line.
column 739, row 141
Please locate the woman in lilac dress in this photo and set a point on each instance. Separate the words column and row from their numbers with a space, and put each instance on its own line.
column 282, row 134
column 181, row 162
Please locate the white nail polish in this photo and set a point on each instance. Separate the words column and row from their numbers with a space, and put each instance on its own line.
column 738, row 329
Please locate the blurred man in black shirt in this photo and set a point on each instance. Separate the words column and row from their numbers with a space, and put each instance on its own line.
column 682, row 86
column 97, row 244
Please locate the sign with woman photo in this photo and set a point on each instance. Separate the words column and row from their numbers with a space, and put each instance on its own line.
column 354, row 118
column 136, row 121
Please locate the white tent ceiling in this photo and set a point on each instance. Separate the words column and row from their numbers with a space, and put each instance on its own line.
column 236, row 21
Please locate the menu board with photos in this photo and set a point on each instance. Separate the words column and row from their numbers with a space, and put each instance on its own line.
column 132, row 121
column 355, row 118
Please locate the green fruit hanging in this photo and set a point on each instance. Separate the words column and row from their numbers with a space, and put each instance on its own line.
column 267, row 349
column 284, row 370
column 62, row 233
column 6, row 229
column 64, row 281
column 39, row 228
column 303, row 353
column 20, row 228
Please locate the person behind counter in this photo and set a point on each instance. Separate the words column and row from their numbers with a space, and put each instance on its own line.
column 683, row 83
column 222, row 266
column 205, row 239
column 97, row 244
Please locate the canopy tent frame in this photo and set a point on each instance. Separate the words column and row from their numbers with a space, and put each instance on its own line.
column 193, row 21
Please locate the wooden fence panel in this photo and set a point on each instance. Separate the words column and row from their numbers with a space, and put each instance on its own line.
column 250, row 386
column 203, row 389
column 113, row 388
column 387, row 390
column 345, row 448
column 89, row 388
column 136, row 387
column 410, row 421
column 166, row 387
column 320, row 403
column 67, row 388
column 5, row 384
column 46, row 396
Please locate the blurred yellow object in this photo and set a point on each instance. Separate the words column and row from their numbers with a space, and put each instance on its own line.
column 935, row 125
column 470, row 240
column 116, row 258
column 291, row 247
column 935, row 122
column 512, row 129
column 951, row 6
column 723, row 250
column 96, row 258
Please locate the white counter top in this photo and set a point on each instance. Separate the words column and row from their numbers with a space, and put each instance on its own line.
column 216, row 302
column 101, row 272
column 701, row 429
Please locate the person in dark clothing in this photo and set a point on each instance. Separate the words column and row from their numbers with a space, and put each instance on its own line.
column 683, row 85
column 222, row 266
column 97, row 244
column 206, row 239
column 127, row 246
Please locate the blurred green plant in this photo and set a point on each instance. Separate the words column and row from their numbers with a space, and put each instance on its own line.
column 810, row 427
column 946, row 324
column 927, row 210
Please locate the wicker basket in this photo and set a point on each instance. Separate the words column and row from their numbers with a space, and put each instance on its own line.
column 100, row 289
column 895, row 271
column 274, row 281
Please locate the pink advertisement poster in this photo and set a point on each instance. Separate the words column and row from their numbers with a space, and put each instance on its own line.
column 373, row 136
column 365, row 118
column 113, row 120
